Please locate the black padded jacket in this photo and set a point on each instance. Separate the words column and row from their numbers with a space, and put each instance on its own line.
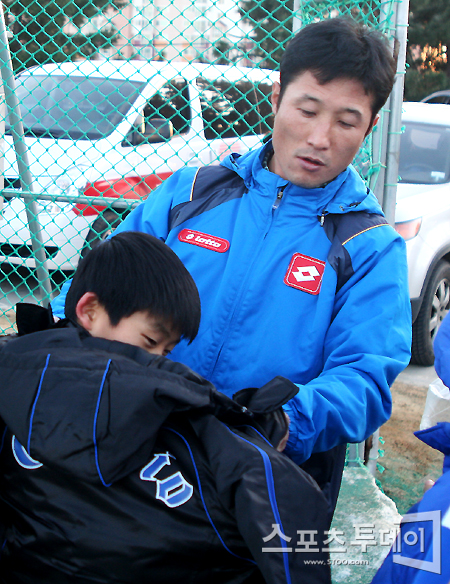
column 122, row 467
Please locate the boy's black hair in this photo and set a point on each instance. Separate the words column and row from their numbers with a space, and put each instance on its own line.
column 341, row 48
column 133, row 272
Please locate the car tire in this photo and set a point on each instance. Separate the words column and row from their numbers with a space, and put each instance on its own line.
column 435, row 306
column 102, row 228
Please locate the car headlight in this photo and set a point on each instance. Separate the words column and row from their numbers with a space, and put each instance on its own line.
column 71, row 183
column 409, row 229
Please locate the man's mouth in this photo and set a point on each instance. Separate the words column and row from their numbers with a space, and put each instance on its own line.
column 311, row 163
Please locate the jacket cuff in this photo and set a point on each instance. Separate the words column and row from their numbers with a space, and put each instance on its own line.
column 295, row 449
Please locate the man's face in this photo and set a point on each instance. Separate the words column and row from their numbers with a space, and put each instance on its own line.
column 318, row 129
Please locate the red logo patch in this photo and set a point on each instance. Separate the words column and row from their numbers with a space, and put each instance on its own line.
column 204, row 240
column 305, row 273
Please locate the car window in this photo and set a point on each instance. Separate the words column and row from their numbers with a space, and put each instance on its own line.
column 73, row 107
column 438, row 99
column 424, row 154
column 171, row 103
column 234, row 109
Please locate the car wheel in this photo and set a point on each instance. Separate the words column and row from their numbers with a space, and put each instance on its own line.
column 435, row 306
column 102, row 228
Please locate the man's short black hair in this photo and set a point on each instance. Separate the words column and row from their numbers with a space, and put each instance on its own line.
column 134, row 272
column 338, row 48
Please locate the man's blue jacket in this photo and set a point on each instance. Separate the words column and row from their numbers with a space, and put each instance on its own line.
column 289, row 289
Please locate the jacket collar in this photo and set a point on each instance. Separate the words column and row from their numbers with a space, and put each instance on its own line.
column 346, row 193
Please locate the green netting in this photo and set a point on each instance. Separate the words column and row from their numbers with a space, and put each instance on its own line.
column 115, row 96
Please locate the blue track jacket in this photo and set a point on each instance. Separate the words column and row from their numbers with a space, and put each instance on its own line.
column 427, row 561
column 420, row 556
column 260, row 256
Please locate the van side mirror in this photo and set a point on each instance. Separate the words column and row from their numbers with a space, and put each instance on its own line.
column 157, row 130
column 152, row 131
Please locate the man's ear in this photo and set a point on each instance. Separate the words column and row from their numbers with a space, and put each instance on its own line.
column 87, row 310
column 274, row 98
column 372, row 125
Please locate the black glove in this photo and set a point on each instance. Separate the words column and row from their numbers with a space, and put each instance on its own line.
column 265, row 404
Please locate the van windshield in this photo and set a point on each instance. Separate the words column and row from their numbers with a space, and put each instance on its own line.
column 76, row 108
column 424, row 154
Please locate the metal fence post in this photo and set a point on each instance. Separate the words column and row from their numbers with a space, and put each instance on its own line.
column 297, row 18
column 13, row 109
column 395, row 119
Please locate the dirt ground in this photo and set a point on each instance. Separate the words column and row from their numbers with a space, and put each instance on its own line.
column 407, row 461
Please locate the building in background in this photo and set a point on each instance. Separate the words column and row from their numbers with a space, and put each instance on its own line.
column 186, row 30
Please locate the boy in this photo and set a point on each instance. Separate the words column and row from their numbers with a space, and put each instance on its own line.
column 119, row 465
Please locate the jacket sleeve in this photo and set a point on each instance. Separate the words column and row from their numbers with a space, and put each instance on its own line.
column 152, row 216
column 277, row 507
column 366, row 346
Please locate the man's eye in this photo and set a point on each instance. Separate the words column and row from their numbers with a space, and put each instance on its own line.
column 308, row 113
column 346, row 124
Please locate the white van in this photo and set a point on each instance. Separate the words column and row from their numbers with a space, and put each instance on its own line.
column 117, row 129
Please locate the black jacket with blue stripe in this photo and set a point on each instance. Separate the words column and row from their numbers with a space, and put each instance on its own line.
column 122, row 467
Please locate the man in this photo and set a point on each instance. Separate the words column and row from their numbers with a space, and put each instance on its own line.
column 298, row 272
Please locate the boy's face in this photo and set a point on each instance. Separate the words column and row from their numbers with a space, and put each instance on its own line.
column 141, row 329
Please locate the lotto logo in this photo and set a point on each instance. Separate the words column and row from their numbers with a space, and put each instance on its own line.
column 305, row 273
column 203, row 240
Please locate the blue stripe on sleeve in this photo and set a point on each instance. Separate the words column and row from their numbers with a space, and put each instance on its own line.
column 95, row 424
column 202, row 498
column 35, row 401
column 272, row 498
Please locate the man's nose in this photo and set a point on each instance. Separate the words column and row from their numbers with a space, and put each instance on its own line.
column 320, row 134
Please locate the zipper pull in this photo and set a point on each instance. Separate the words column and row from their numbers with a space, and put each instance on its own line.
column 278, row 199
column 322, row 218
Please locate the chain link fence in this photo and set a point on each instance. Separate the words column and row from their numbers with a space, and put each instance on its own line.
column 104, row 100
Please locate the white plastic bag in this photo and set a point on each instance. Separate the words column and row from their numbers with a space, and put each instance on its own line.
column 437, row 405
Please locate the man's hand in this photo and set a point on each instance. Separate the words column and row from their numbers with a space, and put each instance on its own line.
column 282, row 443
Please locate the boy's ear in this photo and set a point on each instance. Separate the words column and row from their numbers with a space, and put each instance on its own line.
column 87, row 309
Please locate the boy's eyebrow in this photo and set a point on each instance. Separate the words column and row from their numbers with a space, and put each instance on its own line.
column 163, row 328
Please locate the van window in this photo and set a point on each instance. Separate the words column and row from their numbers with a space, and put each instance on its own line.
column 233, row 109
column 171, row 103
column 73, row 107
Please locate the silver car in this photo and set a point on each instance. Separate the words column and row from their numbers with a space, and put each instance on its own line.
column 423, row 219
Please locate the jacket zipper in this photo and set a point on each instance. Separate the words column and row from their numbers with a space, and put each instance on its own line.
column 275, row 206
column 278, row 199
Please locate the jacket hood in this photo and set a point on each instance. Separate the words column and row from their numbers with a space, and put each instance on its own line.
column 346, row 193
column 66, row 396
column 94, row 407
column 438, row 437
column 441, row 351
